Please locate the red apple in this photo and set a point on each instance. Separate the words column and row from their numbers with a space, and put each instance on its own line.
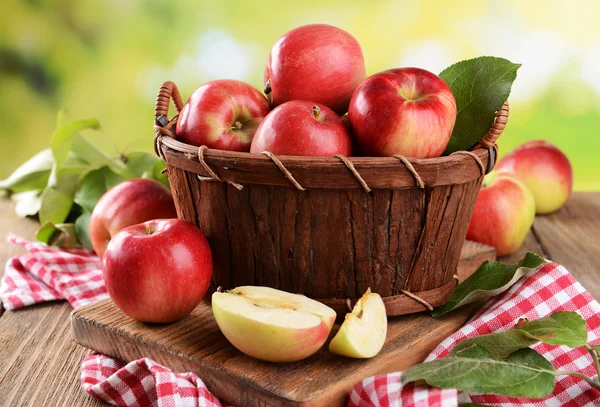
column 407, row 111
column 503, row 214
column 545, row 170
column 158, row 271
column 222, row 114
column 128, row 203
column 315, row 62
column 302, row 128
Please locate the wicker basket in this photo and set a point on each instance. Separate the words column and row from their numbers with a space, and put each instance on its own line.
column 329, row 227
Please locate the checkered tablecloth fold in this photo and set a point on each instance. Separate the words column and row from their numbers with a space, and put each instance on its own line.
column 47, row 273
column 143, row 383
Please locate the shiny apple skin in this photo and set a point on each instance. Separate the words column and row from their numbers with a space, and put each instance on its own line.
column 315, row 62
column 209, row 117
column 406, row 111
column 293, row 129
column 158, row 271
column 545, row 170
column 503, row 214
column 128, row 203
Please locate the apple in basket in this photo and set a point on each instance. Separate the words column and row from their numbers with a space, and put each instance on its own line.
column 128, row 203
column 545, row 170
column 316, row 62
column 222, row 114
column 158, row 271
column 272, row 325
column 304, row 128
column 406, row 111
column 503, row 213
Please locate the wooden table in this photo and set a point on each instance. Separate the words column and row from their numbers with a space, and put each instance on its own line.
column 40, row 365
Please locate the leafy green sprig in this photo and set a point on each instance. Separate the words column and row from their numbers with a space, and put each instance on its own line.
column 503, row 362
column 61, row 185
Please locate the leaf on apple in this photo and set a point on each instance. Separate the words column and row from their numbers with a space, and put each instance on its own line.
column 480, row 87
column 490, row 279
column 524, row 373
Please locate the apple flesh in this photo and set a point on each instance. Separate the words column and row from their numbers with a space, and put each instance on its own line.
column 406, row 111
column 272, row 325
column 302, row 128
column 222, row 114
column 363, row 332
column 315, row 62
column 545, row 170
column 158, row 271
column 128, row 203
column 503, row 213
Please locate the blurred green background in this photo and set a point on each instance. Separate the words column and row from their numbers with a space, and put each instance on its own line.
column 106, row 59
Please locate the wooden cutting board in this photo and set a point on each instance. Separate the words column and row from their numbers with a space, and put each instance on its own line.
column 196, row 344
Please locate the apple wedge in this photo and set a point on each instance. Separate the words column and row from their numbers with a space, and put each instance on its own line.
column 272, row 325
column 363, row 332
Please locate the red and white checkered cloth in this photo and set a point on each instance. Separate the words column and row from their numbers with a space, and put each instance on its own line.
column 46, row 274
column 551, row 288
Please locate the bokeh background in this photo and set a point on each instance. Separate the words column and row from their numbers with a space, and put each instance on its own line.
column 106, row 59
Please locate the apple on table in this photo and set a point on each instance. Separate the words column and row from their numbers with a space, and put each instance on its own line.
column 503, row 214
column 545, row 170
column 158, row 271
column 128, row 203
column 272, row 325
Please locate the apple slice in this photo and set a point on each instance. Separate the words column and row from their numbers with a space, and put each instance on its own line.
column 363, row 332
column 272, row 325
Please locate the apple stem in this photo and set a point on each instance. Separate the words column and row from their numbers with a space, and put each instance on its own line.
column 268, row 87
column 237, row 125
column 316, row 111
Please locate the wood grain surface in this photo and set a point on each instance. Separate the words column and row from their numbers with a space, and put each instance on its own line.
column 40, row 365
column 196, row 344
column 332, row 245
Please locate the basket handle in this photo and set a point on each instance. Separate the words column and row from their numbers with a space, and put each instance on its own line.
column 489, row 140
column 500, row 122
column 167, row 91
column 162, row 124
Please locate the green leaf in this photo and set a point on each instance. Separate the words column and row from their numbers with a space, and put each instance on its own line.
column 94, row 184
column 490, row 279
column 46, row 233
column 138, row 164
column 82, row 228
column 480, row 87
column 27, row 203
column 87, row 151
column 31, row 175
column 560, row 328
column 62, row 138
column 524, row 373
column 55, row 206
column 61, row 235
column 499, row 344
column 596, row 348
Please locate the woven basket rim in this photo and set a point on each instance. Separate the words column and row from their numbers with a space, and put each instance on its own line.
column 324, row 172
